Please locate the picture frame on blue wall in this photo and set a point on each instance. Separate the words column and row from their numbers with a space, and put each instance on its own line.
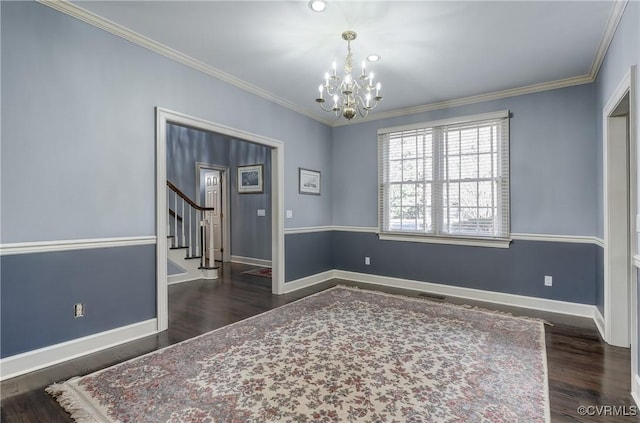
column 308, row 181
column 250, row 179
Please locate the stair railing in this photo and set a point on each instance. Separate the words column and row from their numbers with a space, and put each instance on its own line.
column 189, row 223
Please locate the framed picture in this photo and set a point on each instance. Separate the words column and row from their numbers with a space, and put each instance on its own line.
column 309, row 181
column 250, row 179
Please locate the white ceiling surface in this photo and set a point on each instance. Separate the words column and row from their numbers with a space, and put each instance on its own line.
column 431, row 51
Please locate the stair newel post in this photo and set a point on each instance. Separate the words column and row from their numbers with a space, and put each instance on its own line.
column 201, row 238
column 210, row 232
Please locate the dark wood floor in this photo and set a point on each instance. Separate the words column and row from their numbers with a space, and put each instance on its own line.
column 583, row 370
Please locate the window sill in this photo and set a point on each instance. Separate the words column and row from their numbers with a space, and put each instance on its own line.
column 473, row 242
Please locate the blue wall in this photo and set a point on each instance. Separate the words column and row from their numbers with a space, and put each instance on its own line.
column 623, row 52
column 250, row 233
column 116, row 285
column 78, row 104
column 300, row 262
column 518, row 270
column 553, row 153
column 553, row 174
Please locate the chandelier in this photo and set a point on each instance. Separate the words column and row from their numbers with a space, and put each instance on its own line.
column 351, row 95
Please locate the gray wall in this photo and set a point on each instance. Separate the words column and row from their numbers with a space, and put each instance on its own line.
column 250, row 233
column 78, row 104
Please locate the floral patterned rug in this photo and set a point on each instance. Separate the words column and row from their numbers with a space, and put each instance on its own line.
column 342, row 355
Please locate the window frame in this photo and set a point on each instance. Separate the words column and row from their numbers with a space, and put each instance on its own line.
column 455, row 239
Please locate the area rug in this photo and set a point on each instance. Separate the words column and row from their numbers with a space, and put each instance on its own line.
column 342, row 355
column 264, row 272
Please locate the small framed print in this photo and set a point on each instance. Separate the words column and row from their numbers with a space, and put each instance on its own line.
column 250, row 180
column 309, row 181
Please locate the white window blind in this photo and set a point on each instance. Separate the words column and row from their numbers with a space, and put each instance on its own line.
column 446, row 179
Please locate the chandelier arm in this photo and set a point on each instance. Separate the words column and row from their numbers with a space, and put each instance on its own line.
column 326, row 109
column 331, row 91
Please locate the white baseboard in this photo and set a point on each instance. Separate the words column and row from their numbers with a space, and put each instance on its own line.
column 181, row 277
column 251, row 261
column 635, row 389
column 534, row 303
column 599, row 321
column 308, row 281
column 44, row 357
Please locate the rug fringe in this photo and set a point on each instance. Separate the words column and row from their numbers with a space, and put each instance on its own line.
column 71, row 403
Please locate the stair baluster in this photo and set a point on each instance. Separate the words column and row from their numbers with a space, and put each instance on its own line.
column 194, row 248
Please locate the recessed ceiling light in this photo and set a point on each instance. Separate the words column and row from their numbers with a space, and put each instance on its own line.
column 373, row 57
column 318, row 5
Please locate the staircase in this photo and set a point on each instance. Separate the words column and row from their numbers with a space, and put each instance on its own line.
column 190, row 238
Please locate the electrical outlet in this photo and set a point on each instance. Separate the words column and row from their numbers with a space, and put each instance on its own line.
column 78, row 310
column 289, row 214
column 262, row 212
column 548, row 281
column 367, row 261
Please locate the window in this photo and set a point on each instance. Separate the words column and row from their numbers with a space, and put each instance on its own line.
column 446, row 179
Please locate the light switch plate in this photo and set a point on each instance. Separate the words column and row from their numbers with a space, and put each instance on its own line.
column 289, row 214
column 262, row 212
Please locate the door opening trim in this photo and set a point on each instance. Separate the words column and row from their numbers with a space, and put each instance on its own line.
column 164, row 116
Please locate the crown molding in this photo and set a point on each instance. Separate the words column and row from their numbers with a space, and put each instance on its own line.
column 84, row 15
column 607, row 36
column 496, row 95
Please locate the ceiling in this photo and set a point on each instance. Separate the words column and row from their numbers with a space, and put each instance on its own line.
column 432, row 51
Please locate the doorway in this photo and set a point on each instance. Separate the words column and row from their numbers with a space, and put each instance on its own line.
column 620, row 209
column 620, row 221
column 276, row 148
column 212, row 186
